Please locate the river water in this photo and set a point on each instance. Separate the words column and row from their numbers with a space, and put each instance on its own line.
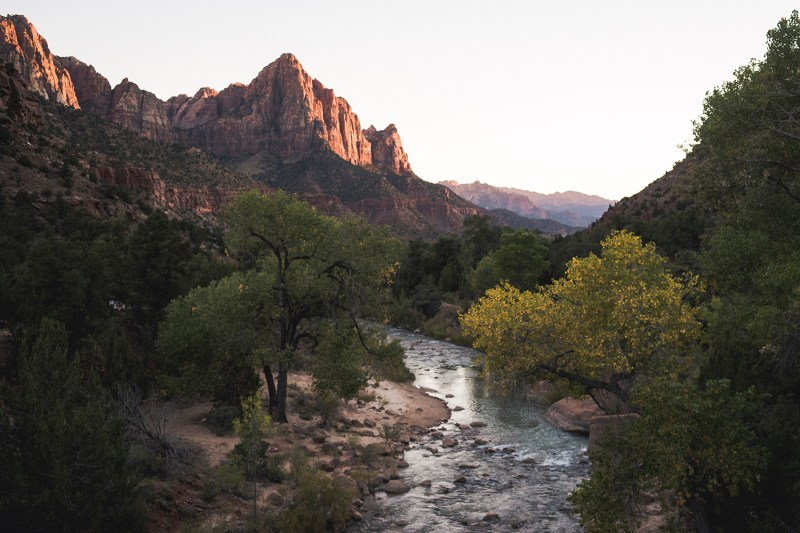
column 523, row 472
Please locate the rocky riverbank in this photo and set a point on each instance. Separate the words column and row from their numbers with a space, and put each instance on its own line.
column 362, row 446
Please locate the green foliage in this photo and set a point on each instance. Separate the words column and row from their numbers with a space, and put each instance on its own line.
column 521, row 259
column 252, row 429
column 308, row 279
column 227, row 477
column 211, row 338
column 317, row 503
column 221, row 418
column 62, row 440
column 672, row 452
column 106, row 280
column 747, row 142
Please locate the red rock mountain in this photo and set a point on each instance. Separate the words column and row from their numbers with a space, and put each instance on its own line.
column 282, row 130
column 283, row 111
column 22, row 46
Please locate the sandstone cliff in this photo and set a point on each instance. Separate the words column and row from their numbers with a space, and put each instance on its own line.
column 387, row 150
column 283, row 111
column 23, row 47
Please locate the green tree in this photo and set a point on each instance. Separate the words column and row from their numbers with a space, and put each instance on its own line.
column 62, row 443
column 252, row 429
column 747, row 143
column 692, row 445
column 309, row 275
column 521, row 259
column 748, row 133
column 609, row 320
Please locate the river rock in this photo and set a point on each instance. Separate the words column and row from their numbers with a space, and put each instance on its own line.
column 395, row 486
column 573, row 414
column 491, row 517
column 460, row 479
column 425, row 483
column 369, row 423
column 477, row 424
column 449, row 442
column 458, row 408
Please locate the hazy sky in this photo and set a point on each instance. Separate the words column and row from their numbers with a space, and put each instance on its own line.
column 591, row 95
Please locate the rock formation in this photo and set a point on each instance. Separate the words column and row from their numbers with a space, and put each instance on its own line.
column 283, row 112
column 283, row 130
column 23, row 47
column 387, row 150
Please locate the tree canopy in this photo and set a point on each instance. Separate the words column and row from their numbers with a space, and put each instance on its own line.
column 308, row 279
column 609, row 319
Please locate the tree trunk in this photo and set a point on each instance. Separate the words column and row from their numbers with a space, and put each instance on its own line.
column 283, row 372
column 273, row 395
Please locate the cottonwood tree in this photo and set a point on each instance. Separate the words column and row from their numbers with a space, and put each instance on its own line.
column 610, row 319
column 308, row 277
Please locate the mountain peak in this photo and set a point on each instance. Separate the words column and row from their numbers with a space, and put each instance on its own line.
column 23, row 47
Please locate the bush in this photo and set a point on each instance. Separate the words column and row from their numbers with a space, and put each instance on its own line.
column 228, row 478
column 318, row 504
column 328, row 404
column 221, row 418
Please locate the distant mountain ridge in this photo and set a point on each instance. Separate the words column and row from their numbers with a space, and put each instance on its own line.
column 571, row 208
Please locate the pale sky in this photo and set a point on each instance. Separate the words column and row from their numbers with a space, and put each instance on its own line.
column 585, row 95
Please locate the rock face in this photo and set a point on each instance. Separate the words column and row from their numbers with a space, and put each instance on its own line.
column 283, row 111
column 92, row 90
column 17, row 102
column 387, row 150
column 23, row 47
column 179, row 198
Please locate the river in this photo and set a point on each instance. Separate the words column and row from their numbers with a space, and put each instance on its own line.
column 517, row 480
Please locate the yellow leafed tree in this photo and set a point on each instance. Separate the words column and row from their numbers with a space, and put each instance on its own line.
column 608, row 320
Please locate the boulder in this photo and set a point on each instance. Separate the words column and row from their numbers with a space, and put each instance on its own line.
column 449, row 442
column 395, row 486
column 573, row 414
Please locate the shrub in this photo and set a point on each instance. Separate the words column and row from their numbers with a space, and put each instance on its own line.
column 317, row 502
column 221, row 418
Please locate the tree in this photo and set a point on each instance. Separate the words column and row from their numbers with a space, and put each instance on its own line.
column 308, row 275
column 691, row 446
column 609, row 320
column 748, row 141
column 749, row 131
column 252, row 432
column 63, row 448
column 521, row 260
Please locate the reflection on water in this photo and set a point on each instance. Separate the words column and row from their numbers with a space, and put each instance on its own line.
column 522, row 473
